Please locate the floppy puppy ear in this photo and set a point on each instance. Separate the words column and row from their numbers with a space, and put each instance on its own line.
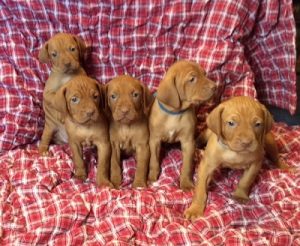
column 81, row 47
column 102, row 95
column 214, row 120
column 148, row 99
column 268, row 120
column 167, row 92
column 105, row 100
column 59, row 100
column 43, row 54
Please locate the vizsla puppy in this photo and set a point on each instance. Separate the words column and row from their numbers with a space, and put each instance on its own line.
column 129, row 102
column 238, row 133
column 172, row 117
column 81, row 101
column 65, row 52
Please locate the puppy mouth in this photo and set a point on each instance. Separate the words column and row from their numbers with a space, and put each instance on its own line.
column 199, row 101
column 125, row 120
column 71, row 67
column 241, row 149
column 86, row 120
column 70, row 70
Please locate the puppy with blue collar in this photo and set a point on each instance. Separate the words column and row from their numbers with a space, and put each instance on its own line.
column 172, row 116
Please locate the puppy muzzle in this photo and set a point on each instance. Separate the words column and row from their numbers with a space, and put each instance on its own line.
column 86, row 116
column 243, row 145
column 71, row 67
column 125, row 116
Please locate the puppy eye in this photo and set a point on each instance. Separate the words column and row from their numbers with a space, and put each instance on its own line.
column 193, row 80
column 113, row 97
column 75, row 100
column 135, row 94
column 231, row 123
column 95, row 97
column 72, row 49
column 258, row 124
column 53, row 54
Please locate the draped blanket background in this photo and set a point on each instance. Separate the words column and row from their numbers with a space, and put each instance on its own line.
column 247, row 47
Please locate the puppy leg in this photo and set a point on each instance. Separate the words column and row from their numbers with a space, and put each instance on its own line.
column 188, row 150
column 241, row 193
column 80, row 171
column 273, row 153
column 154, row 167
column 115, row 169
column 47, row 135
column 199, row 200
column 142, row 159
column 104, row 153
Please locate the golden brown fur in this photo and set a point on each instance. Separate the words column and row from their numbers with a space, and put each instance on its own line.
column 183, row 86
column 239, row 131
column 81, row 101
column 129, row 102
column 64, row 51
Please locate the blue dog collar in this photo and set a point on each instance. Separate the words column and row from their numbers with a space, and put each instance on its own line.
column 163, row 108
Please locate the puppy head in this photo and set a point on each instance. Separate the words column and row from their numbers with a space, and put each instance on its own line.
column 184, row 84
column 241, row 123
column 127, row 99
column 80, row 99
column 64, row 51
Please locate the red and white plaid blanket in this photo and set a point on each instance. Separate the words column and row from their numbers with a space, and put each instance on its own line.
column 246, row 46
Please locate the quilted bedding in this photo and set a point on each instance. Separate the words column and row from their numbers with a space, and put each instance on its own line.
column 246, row 46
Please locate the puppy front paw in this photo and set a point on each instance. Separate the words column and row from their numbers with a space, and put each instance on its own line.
column 193, row 212
column 153, row 176
column 116, row 180
column 80, row 174
column 186, row 184
column 43, row 150
column 240, row 195
column 104, row 183
column 139, row 183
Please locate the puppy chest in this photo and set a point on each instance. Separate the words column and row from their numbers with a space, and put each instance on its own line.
column 125, row 143
column 236, row 160
column 174, row 129
column 86, row 136
column 124, row 139
column 126, row 146
column 61, row 135
column 171, row 136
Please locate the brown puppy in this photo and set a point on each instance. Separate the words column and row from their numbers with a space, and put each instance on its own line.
column 64, row 51
column 172, row 117
column 129, row 102
column 85, row 123
column 238, row 133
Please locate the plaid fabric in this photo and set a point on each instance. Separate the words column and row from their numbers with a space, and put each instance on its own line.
column 241, row 44
column 41, row 204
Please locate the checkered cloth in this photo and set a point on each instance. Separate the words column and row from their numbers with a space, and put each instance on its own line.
column 247, row 47
column 41, row 204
